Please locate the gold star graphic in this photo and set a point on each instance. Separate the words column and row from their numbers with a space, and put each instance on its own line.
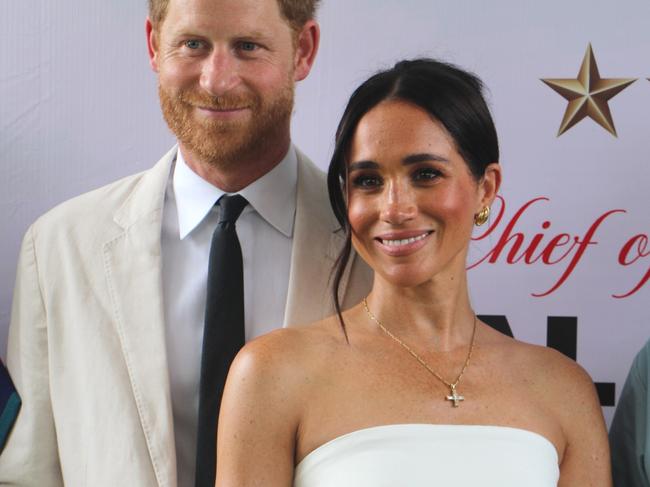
column 588, row 95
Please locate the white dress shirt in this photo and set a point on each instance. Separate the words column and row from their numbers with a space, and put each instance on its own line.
column 265, row 230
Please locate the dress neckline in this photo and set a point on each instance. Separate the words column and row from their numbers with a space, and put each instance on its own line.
column 539, row 438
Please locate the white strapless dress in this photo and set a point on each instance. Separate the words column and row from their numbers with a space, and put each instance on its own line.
column 428, row 455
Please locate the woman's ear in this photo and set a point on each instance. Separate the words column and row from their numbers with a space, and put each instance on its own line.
column 489, row 184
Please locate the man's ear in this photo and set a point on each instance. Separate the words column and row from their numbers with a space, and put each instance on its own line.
column 152, row 44
column 306, row 48
column 489, row 184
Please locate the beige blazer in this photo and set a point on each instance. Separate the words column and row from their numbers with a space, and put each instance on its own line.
column 87, row 341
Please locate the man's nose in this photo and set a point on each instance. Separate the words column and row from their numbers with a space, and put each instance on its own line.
column 398, row 203
column 220, row 73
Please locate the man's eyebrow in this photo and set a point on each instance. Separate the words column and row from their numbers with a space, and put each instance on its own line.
column 423, row 157
column 253, row 34
column 256, row 33
column 355, row 166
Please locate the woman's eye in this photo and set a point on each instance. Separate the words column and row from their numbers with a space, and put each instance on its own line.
column 426, row 174
column 366, row 181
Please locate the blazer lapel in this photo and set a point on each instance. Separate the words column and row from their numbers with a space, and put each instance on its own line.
column 317, row 241
column 133, row 270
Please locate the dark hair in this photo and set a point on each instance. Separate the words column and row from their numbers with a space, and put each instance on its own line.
column 450, row 95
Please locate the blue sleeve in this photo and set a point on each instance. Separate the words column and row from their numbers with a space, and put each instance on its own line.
column 9, row 405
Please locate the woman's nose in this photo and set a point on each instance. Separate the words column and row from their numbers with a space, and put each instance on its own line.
column 398, row 203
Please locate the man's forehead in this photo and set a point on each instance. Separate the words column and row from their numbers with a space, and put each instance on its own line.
column 259, row 15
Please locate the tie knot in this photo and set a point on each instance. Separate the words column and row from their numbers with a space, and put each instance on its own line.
column 231, row 208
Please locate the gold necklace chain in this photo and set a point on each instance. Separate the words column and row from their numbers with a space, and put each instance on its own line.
column 454, row 397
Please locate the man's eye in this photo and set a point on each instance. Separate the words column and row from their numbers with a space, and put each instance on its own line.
column 366, row 181
column 247, row 46
column 426, row 174
column 193, row 44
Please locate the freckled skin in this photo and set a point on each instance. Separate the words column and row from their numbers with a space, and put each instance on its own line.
column 295, row 389
column 445, row 204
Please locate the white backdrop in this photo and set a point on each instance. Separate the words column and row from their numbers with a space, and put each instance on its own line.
column 78, row 108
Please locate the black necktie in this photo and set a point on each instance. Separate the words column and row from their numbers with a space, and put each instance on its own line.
column 223, row 333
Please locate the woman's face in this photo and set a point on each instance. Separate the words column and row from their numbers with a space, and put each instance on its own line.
column 411, row 196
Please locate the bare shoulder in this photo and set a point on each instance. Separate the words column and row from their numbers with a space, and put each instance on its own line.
column 561, row 376
column 557, row 375
column 556, row 380
column 558, row 384
column 286, row 357
column 270, row 386
column 270, row 383
column 293, row 343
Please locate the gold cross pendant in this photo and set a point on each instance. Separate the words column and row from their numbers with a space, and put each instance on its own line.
column 455, row 397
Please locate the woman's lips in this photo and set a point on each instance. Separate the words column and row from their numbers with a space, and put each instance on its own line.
column 403, row 243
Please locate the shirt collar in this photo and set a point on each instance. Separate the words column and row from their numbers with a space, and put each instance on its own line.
column 273, row 195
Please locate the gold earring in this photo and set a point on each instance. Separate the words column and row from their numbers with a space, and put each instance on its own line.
column 482, row 216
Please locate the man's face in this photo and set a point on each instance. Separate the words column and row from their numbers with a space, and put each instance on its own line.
column 226, row 77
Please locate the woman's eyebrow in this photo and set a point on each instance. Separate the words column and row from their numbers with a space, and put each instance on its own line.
column 423, row 157
column 355, row 166
column 410, row 159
